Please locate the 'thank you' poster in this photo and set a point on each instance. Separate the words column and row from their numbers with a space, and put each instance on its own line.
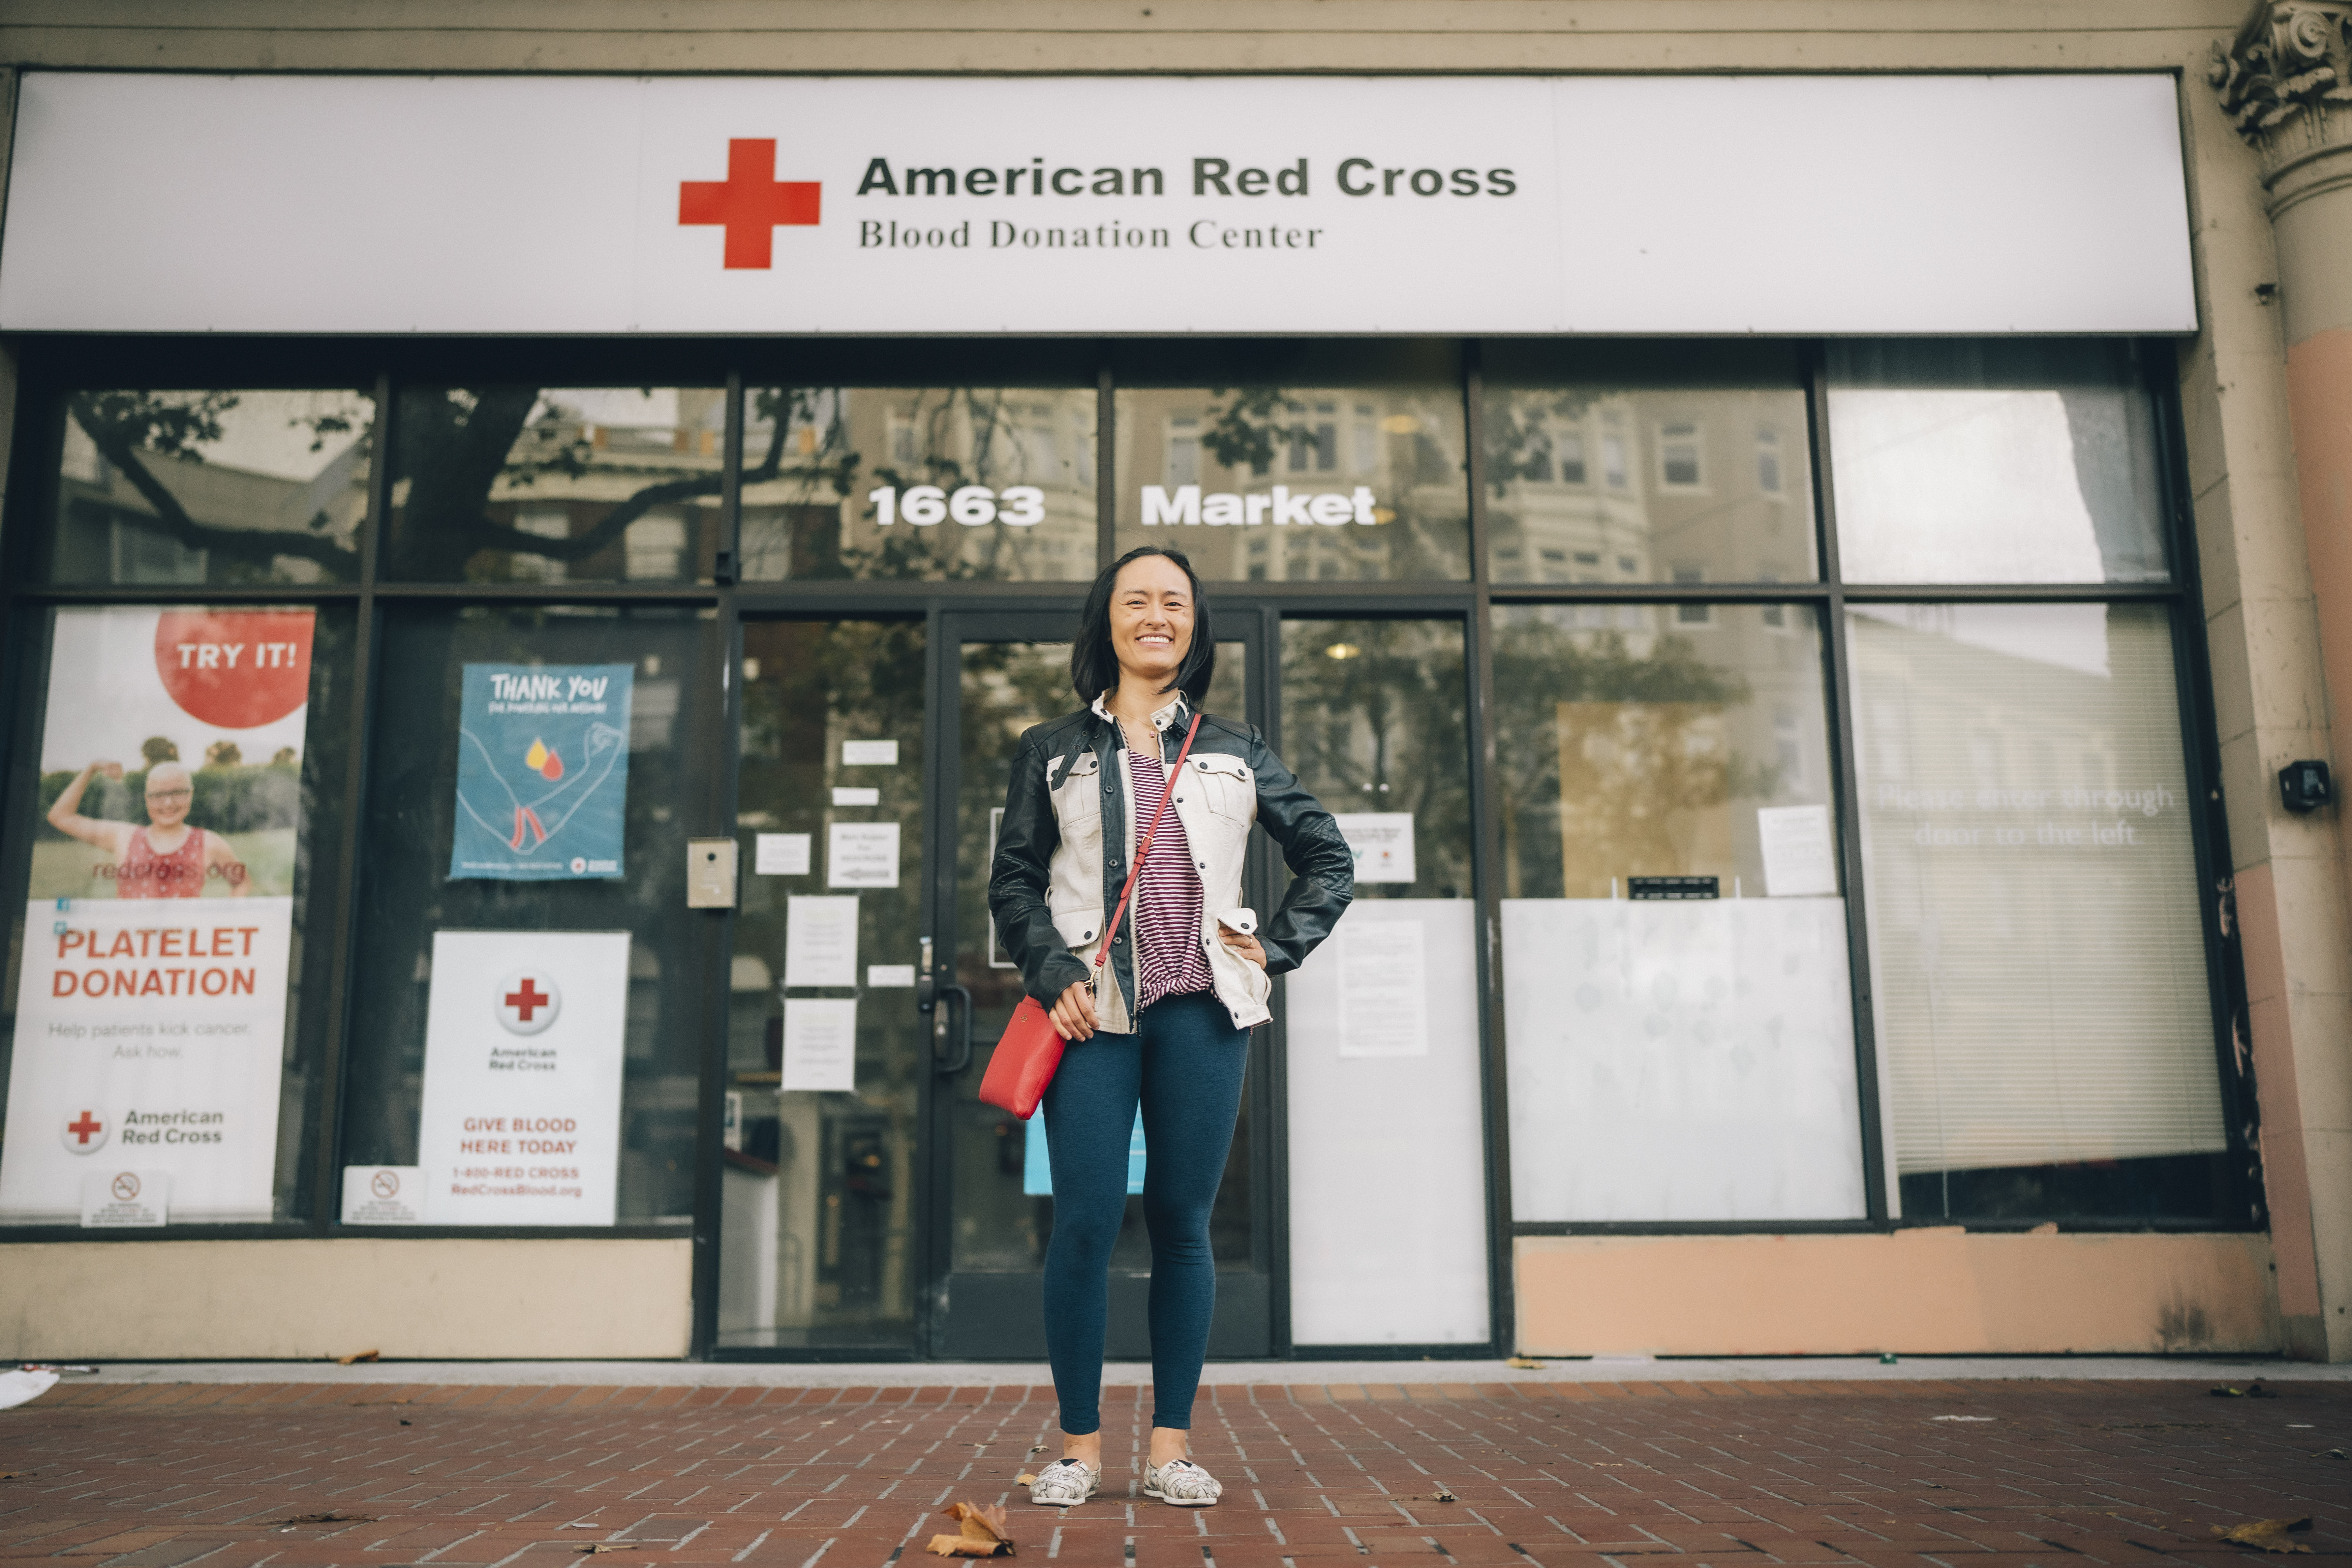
column 542, row 771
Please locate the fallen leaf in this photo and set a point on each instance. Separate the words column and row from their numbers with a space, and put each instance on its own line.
column 1024, row 1479
column 354, row 1357
column 1525, row 1363
column 1439, row 1495
column 2268, row 1534
column 1038, row 1449
column 2253, row 1390
column 980, row 1532
column 2327, row 1454
column 597, row 1546
column 15, row 1475
column 358, row 1401
column 331, row 1517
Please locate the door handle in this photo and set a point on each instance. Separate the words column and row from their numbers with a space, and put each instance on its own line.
column 940, row 1026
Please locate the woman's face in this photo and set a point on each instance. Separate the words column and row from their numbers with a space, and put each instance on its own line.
column 169, row 789
column 1152, row 619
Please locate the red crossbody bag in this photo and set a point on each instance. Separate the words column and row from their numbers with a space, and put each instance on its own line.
column 1032, row 1047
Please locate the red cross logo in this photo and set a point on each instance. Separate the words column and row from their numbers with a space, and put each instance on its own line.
column 86, row 1133
column 527, row 999
column 750, row 203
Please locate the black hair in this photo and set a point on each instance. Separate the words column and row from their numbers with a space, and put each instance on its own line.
column 1094, row 665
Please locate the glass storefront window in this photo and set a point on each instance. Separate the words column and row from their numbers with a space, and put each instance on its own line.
column 183, row 830
column 523, row 484
column 987, row 484
column 219, row 486
column 1598, row 481
column 2044, row 1033
column 1380, row 1045
column 821, row 1188
column 2015, row 460
column 1298, row 482
column 597, row 850
column 1674, row 977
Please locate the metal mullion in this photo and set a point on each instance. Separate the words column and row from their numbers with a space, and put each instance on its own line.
column 832, row 598
column 181, row 593
column 1271, row 1147
column 2209, row 826
column 1877, row 1203
column 700, row 594
column 327, row 1209
column 1486, row 860
column 730, row 567
column 1656, row 592
column 2009, row 592
column 1106, row 461
column 719, row 937
column 934, row 912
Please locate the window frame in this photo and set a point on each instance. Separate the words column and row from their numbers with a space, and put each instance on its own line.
column 51, row 367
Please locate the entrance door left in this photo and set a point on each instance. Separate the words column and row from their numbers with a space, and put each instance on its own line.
column 827, row 1055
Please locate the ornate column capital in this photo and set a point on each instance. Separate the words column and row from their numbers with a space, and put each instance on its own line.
column 2285, row 81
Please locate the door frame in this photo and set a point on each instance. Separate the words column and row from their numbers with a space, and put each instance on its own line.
column 1256, row 628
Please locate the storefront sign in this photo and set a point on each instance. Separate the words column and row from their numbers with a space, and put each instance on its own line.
column 542, row 771
column 523, row 1037
column 1094, row 205
column 150, row 1005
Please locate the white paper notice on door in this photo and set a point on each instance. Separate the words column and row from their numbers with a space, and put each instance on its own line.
column 820, row 1045
column 821, row 940
column 781, row 854
column 1381, row 842
column 862, row 855
column 869, row 753
column 1383, row 989
column 1799, row 853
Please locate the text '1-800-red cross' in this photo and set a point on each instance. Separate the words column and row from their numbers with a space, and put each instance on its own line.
column 750, row 203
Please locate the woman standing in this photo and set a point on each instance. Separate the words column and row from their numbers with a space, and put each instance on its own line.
column 1167, row 1021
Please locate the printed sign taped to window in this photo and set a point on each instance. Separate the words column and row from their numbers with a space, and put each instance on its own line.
column 523, row 1038
column 542, row 771
column 151, row 992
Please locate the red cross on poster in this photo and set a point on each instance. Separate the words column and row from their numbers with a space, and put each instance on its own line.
column 521, row 1120
column 750, row 203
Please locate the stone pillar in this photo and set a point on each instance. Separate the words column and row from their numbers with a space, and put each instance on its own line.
column 2286, row 82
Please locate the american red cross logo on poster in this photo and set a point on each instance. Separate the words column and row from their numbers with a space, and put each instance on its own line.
column 86, row 1133
column 528, row 1001
column 750, row 203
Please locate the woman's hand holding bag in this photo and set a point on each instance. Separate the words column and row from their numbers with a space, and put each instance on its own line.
column 1031, row 1047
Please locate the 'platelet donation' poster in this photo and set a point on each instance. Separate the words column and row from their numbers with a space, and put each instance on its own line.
column 543, row 771
column 150, row 1007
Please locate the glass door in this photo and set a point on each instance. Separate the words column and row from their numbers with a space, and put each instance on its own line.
column 1003, row 674
column 827, row 1053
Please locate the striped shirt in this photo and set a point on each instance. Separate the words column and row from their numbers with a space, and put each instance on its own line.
column 1169, row 959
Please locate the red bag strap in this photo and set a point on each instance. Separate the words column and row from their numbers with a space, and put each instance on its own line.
column 1144, row 848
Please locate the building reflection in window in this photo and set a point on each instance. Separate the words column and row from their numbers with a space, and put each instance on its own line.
column 1287, row 483
column 215, row 487
column 521, row 484
column 1694, row 484
column 989, row 484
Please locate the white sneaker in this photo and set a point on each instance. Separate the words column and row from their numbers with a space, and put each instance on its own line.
column 1181, row 1483
column 1065, row 1483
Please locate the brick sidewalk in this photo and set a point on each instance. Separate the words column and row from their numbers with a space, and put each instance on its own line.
column 2051, row 1475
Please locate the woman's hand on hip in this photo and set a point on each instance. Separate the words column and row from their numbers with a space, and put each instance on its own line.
column 1073, row 1011
column 1242, row 946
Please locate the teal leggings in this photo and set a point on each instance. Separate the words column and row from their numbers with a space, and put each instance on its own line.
column 1186, row 1064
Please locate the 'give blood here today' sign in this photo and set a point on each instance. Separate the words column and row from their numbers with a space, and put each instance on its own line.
column 522, row 1117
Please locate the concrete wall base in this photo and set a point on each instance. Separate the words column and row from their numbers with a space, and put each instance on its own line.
column 304, row 1299
column 1929, row 1292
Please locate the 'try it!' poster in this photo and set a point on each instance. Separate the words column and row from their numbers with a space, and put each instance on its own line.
column 543, row 771
column 151, row 996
